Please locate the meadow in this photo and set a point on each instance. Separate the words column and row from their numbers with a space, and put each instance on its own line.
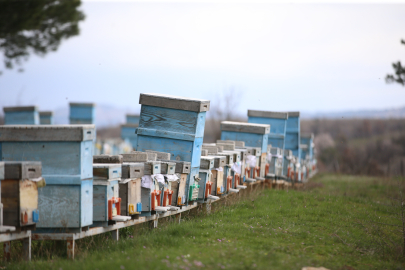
column 335, row 221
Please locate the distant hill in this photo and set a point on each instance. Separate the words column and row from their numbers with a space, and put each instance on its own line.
column 370, row 114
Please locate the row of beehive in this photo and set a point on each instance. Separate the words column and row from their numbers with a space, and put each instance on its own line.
column 172, row 125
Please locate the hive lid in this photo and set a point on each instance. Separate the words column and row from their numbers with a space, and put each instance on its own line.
column 19, row 170
column 174, row 102
column 46, row 113
column 44, row 133
column 132, row 170
column 160, row 155
column 21, row 109
column 245, row 127
column 82, row 104
column 268, row 114
column 117, row 159
column 293, row 114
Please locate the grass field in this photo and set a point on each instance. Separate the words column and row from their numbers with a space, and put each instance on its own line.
column 336, row 221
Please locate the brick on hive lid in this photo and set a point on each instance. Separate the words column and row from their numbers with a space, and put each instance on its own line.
column 108, row 159
column 160, row 155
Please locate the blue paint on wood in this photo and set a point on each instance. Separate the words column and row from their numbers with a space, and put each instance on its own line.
column 172, row 120
column 46, row 119
column 277, row 126
column 293, row 136
column 21, row 118
column 63, row 163
column 165, row 134
column 101, row 195
column 82, row 112
column 250, row 139
column 180, row 150
column 194, row 172
column 65, row 206
column 132, row 119
column 205, row 177
column 129, row 133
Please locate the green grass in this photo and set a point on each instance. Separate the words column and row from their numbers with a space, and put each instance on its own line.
column 335, row 222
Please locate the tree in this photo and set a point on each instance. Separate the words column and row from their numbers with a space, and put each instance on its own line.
column 36, row 27
column 399, row 76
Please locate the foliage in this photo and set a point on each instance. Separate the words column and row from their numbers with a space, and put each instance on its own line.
column 326, row 224
column 36, row 26
column 399, row 76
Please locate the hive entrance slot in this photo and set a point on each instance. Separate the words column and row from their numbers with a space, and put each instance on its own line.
column 31, row 170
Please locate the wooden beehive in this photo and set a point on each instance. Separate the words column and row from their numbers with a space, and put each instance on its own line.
column 19, row 194
column 182, row 170
column 105, row 189
column 130, row 188
column 66, row 153
column 205, row 189
column 254, row 135
column 174, row 125
column 292, row 137
column 217, row 175
column 128, row 132
column 22, row 115
column 82, row 113
column 46, row 118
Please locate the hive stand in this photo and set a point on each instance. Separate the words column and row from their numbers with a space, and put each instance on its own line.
column 67, row 165
column 254, row 135
column 174, row 125
column 27, row 115
column 46, row 118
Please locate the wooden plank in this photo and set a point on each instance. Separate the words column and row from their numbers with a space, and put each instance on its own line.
column 207, row 163
column 54, row 133
column 152, row 167
column 100, row 203
column 135, row 156
column 204, row 152
column 10, row 199
column 174, row 102
column 244, row 127
column 267, row 114
column 1, row 170
column 14, row 236
column 227, row 146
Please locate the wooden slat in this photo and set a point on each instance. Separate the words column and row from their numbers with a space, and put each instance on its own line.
column 174, row 102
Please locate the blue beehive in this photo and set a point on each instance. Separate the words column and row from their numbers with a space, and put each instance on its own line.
column 278, row 126
column 292, row 137
column 174, row 125
column 254, row 135
column 67, row 165
column 82, row 113
column 46, row 118
column 308, row 140
column 128, row 130
column 26, row 115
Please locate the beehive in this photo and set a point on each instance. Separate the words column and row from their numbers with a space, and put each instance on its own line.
column 45, row 118
column 217, row 175
column 174, row 125
column 19, row 194
column 205, row 183
column 254, row 135
column 130, row 188
column 292, row 137
column 66, row 155
column 22, row 115
column 106, row 200
column 82, row 113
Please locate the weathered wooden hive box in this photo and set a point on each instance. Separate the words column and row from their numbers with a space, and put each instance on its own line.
column 217, row 172
column 82, row 113
column 236, row 168
column 288, row 164
column 46, row 118
column 276, row 163
column 308, row 140
column 19, row 194
column 277, row 122
column 174, row 125
column 292, row 137
column 130, row 188
column 23, row 115
column 107, row 172
column 168, row 169
column 150, row 192
column 206, row 166
column 67, row 165
column 182, row 170
column 254, row 135
column 227, row 174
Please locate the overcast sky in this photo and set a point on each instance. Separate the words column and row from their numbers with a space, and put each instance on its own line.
column 308, row 57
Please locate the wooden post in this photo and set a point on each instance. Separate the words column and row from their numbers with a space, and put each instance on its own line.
column 6, row 249
column 178, row 218
column 115, row 234
column 26, row 242
column 71, row 249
